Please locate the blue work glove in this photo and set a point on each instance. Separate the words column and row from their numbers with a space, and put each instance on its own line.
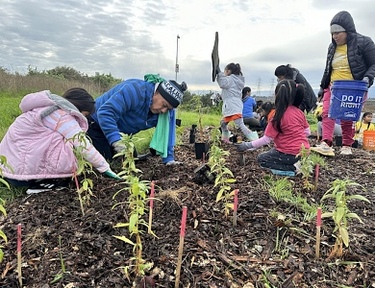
column 244, row 146
column 172, row 162
column 109, row 173
column 367, row 80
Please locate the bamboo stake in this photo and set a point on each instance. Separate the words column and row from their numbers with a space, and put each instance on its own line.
column 181, row 247
column 152, row 194
column 318, row 224
column 235, row 206
column 19, row 258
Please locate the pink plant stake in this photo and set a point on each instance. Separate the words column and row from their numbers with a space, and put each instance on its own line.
column 235, row 206
column 152, row 194
column 19, row 258
column 317, row 166
column 181, row 247
column 318, row 225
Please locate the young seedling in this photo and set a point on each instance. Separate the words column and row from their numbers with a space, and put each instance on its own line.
column 341, row 213
column 83, row 169
column 308, row 163
column 223, row 177
column 137, row 190
column 60, row 275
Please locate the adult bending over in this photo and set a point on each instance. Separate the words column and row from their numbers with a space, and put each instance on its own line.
column 135, row 105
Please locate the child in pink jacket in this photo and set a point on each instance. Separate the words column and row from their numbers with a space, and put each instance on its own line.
column 38, row 146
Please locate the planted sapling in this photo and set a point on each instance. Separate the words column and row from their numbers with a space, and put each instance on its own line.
column 223, row 177
column 84, row 168
column 341, row 213
column 137, row 190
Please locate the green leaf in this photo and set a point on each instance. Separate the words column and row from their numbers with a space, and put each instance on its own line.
column 344, row 235
column 358, row 197
column 120, row 225
column 2, row 235
column 340, row 212
column 354, row 215
column 327, row 214
column 125, row 239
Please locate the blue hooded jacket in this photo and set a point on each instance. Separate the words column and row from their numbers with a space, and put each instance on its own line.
column 126, row 108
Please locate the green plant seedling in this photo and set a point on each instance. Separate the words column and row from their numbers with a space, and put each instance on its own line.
column 341, row 213
column 84, row 167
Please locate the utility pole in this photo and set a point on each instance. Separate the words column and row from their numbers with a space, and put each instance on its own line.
column 177, row 68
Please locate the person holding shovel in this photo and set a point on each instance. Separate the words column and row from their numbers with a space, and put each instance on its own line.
column 288, row 130
column 135, row 105
column 231, row 81
column 351, row 56
column 38, row 146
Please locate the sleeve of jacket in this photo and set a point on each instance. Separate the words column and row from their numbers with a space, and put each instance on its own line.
column 172, row 137
column 327, row 70
column 115, row 107
column 68, row 127
column 369, row 56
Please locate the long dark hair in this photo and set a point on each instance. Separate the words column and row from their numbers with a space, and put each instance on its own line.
column 286, row 93
column 234, row 68
column 80, row 98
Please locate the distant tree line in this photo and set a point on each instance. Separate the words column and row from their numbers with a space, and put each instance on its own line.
column 61, row 78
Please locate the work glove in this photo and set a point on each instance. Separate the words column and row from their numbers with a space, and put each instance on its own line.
column 367, row 80
column 109, row 173
column 320, row 94
column 244, row 146
column 173, row 162
column 118, row 146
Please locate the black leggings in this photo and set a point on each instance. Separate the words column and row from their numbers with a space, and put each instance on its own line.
column 274, row 159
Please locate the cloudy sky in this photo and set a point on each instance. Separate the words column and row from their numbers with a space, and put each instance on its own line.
column 130, row 38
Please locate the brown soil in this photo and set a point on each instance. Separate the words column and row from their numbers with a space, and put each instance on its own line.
column 261, row 251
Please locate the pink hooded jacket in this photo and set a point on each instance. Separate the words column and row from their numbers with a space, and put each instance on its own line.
column 36, row 145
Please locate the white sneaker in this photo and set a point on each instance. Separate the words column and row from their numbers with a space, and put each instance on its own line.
column 323, row 149
column 36, row 191
column 298, row 167
column 346, row 150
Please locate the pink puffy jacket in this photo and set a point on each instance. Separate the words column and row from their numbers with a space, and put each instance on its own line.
column 36, row 145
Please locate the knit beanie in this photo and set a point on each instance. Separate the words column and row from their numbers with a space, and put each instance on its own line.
column 172, row 91
column 335, row 28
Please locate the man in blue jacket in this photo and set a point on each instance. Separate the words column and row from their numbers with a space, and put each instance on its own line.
column 132, row 106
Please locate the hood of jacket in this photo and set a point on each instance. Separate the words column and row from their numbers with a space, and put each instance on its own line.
column 51, row 102
column 345, row 20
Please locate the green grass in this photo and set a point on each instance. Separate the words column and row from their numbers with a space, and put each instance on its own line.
column 8, row 112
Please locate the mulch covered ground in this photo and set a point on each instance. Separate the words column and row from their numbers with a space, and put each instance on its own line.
column 262, row 250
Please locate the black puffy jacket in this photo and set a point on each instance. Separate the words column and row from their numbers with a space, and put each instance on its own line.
column 361, row 52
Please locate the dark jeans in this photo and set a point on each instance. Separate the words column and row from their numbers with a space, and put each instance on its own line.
column 99, row 140
column 274, row 159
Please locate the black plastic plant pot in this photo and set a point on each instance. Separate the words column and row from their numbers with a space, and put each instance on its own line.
column 201, row 150
column 178, row 122
column 193, row 130
column 203, row 174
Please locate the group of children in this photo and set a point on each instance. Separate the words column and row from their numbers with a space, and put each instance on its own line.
column 284, row 121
